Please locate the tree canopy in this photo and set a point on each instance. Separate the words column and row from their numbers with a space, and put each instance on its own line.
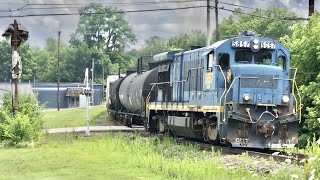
column 105, row 30
column 268, row 23
column 304, row 45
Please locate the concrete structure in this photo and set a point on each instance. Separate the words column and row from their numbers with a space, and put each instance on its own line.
column 70, row 94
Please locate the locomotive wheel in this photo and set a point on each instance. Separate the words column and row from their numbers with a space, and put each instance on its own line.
column 129, row 122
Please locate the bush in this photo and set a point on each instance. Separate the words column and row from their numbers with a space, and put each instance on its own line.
column 26, row 125
column 312, row 168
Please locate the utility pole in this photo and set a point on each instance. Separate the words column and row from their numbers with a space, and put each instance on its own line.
column 92, row 88
column 18, row 34
column 217, row 20
column 311, row 7
column 86, row 91
column 208, row 23
column 103, row 80
column 58, row 84
column 15, row 68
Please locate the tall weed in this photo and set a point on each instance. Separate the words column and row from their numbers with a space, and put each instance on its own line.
column 25, row 125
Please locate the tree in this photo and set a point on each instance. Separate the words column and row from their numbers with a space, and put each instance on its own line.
column 186, row 40
column 106, row 30
column 304, row 45
column 5, row 61
column 154, row 45
column 268, row 23
column 44, row 61
column 104, row 33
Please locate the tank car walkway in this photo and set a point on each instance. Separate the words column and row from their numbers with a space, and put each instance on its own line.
column 94, row 129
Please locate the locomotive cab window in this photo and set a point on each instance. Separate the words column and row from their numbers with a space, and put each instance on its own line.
column 282, row 62
column 210, row 61
column 262, row 58
column 224, row 61
column 243, row 56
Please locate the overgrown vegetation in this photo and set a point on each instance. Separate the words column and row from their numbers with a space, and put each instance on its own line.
column 24, row 126
column 121, row 157
column 304, row 45
column 312, row 168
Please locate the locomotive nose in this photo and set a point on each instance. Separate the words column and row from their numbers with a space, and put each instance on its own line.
column 266, row 129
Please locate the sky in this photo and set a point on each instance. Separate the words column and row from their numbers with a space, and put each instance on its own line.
column 145, row 25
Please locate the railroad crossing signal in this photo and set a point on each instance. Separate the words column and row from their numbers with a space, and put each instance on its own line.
column 18, row 35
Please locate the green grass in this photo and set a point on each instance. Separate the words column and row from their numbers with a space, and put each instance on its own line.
column 106, row 157
column 72, row 117
column 83, row 159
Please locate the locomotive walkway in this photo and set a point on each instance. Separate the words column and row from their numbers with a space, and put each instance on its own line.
column 94, row 129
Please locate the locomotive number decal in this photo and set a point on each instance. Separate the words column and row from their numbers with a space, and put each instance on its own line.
column 240, row 44
column 268, row 45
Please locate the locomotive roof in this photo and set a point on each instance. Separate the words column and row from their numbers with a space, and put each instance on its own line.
column 207, row 48
column 169, row 56
column 164, row 56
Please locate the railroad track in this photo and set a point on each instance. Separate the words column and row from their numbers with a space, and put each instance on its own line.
column 280, row 156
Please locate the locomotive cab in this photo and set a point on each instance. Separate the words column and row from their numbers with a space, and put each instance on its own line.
column 259, row 107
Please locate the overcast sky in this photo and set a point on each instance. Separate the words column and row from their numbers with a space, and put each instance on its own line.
column 145, row 24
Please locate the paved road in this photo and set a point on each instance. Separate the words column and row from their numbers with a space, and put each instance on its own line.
column 94, row 129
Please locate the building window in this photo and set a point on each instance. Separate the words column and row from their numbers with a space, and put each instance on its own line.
column 73, row 102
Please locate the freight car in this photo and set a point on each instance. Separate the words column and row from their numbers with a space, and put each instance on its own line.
column 128, row 94
column 239, row 91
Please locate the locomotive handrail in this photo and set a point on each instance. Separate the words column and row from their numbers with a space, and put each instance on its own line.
column 224, row 91
column 238, row 77
column 298, row 107
column 167, row 82
column 294, row 84
column 184, row 80
column 225, row 97
column 300, row 103
column 293, row 80
column 148, row 100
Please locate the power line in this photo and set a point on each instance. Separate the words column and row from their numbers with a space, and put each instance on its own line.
column 263, row 17
column 149, row 10
column 231, row 4
column 118, row 3
column 75, row 5
column 99, row 13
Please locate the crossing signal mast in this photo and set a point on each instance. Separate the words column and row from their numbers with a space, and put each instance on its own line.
column 87, row 92
column 18, row 35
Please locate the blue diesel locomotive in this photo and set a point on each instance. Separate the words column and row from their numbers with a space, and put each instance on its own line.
column 239, row 91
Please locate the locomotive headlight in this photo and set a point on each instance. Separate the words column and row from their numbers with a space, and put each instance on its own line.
column 285, row 98
column 246, row 97
column 255, row 45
